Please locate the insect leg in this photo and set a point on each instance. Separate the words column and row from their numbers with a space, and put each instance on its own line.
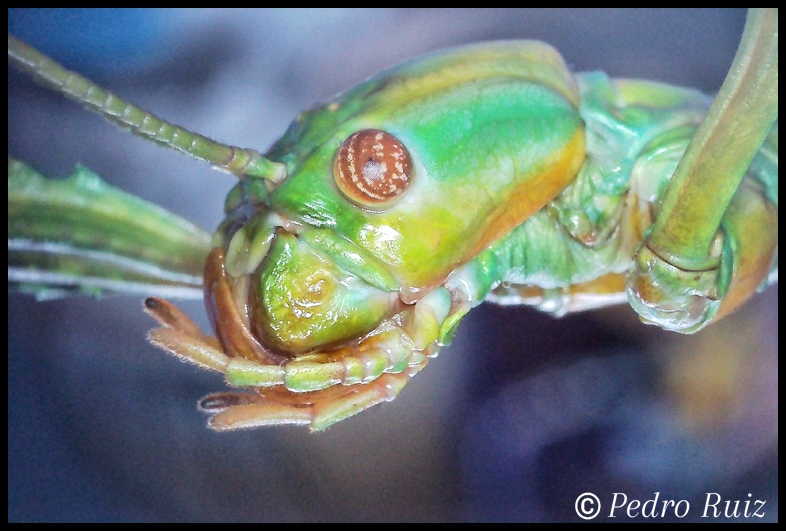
column 319, row 409
column 681, row 261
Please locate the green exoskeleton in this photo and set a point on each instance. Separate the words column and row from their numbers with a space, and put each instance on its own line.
column 352, row 249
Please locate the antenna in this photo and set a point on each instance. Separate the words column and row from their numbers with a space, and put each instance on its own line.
column 238, row 161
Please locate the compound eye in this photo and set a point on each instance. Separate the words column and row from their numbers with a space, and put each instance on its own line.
column 372, row 168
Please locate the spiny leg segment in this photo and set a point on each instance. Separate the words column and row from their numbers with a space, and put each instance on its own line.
column 267, row 406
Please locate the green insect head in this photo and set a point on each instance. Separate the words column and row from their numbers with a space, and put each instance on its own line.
column 393, row 185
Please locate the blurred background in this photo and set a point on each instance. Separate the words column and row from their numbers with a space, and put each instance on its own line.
column 518, row 417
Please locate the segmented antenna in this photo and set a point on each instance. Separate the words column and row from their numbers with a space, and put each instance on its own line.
column 235, row 160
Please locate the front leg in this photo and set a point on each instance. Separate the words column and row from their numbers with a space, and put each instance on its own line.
column 317, row 389
column 317, row 409
column 713, row 242
column 685, row 300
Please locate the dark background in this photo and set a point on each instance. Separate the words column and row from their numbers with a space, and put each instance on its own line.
column 512, row 422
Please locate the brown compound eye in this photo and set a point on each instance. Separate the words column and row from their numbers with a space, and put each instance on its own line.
column 372, row 168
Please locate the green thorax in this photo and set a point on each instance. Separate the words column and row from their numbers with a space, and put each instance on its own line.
column 636, row 133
